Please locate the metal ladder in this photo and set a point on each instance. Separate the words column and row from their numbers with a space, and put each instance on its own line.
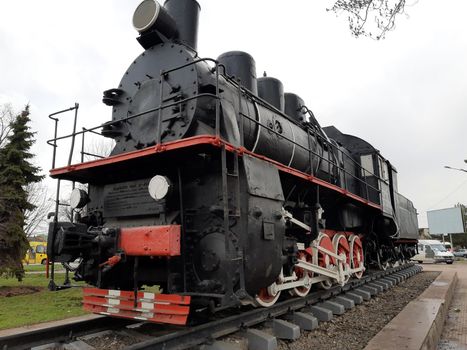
column 232, row 255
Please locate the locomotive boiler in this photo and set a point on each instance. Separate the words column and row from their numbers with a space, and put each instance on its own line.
column 221, row 189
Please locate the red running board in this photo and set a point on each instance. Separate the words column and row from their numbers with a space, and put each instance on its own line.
column 158, row 308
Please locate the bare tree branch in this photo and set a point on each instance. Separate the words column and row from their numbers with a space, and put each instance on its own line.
column 371, row 18
column 7, row 115
column 98, row 148
column 36, row 219
column 64, row 211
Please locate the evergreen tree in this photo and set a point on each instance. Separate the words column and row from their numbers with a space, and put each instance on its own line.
column 16, row 172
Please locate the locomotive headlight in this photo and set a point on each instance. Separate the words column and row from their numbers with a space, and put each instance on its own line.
column 78, row 199
column 159, row 187
column 146, row 15
column 151, row 15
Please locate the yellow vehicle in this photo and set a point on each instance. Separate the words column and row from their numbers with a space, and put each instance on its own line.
column 37, row 253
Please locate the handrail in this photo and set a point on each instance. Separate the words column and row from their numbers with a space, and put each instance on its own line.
column 54, row 145
column 132, row 117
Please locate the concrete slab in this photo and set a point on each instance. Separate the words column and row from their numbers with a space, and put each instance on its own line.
column 76, row 345
column 220, row 345
column 79, row 345
column 49, row 346
column 371, row 290
column 320, row 313
column 259, row 340
column 307, row 322
column 285, row 330
column 336, row 308
column 402, row 276
column 345, row 302
column 419, row 325
column 383, row 284
column 357, row 299
column 388, row 281
column 393, row 278
column 376, row 286
column 95, row 335
column 363, row 293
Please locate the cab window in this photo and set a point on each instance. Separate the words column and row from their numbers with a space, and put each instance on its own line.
column 420, row 247
column 394, row 179
column 40, row 249
column 367, row 165
column 383, row 170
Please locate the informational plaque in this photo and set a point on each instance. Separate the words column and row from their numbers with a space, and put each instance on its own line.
column 129, row 199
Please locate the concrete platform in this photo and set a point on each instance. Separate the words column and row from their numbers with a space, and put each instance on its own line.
column 37, row 326
column 454, row 334
column 420, row 324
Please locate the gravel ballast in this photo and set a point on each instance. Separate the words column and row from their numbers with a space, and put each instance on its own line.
column 356, row 327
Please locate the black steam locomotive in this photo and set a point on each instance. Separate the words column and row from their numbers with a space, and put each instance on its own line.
column 221, row 189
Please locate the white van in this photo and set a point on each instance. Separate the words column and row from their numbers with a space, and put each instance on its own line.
column 430, row 250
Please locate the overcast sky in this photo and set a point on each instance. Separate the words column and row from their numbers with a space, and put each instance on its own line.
column 406, row 95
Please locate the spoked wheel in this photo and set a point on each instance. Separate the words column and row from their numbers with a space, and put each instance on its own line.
column 303, row 275
column 267, row 297
column 341, row 247
column 325, row 260
column 356, row 254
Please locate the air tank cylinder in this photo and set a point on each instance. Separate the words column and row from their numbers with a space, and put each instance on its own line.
column 294, row 106
column 272, row 91
column 186, row 15
column 242, row 67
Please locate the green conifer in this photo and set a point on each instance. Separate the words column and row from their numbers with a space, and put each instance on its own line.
column 16, row 172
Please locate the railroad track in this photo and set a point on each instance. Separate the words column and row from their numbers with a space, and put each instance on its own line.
column 163, row 337
column 60, row 334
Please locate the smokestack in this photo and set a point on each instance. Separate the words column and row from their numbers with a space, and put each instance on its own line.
column 186, row 14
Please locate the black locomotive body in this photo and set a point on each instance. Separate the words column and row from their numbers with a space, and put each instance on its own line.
column 221, row 188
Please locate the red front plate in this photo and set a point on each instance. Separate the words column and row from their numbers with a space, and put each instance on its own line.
column 158, row 308
column 151, row 240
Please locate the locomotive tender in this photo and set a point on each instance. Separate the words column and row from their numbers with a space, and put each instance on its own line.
column 221, row 189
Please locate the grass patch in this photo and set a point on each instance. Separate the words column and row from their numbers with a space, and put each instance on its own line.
column 151, row 289
column 39, row 307
column 38, row 268
column 43, row 306
column 35, row 280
